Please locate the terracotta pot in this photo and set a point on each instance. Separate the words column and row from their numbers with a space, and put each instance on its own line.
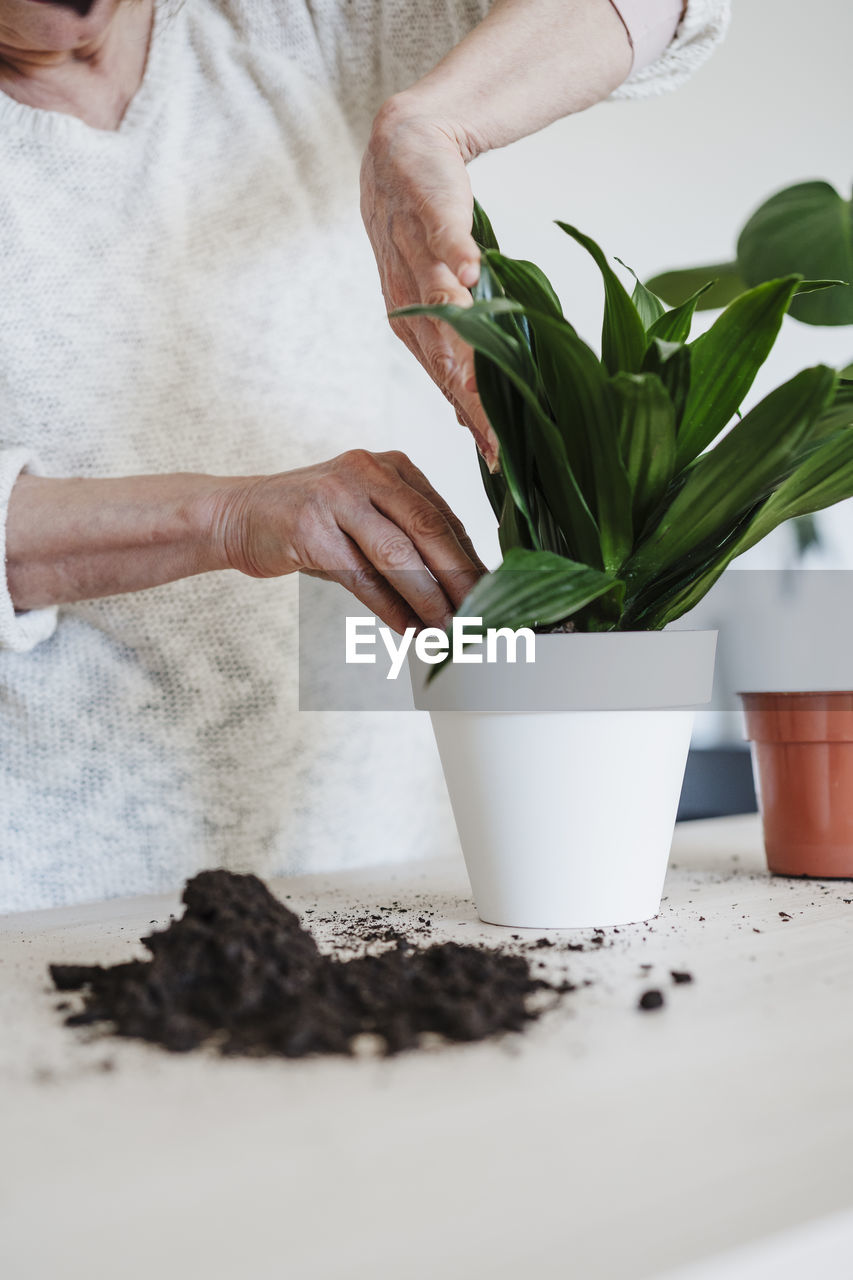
column 802, row 754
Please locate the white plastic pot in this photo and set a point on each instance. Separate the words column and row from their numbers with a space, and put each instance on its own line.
column 565, row 774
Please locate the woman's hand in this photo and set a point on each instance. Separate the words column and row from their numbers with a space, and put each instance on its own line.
column 417, row 206
column 528, row 63
column 370, row 521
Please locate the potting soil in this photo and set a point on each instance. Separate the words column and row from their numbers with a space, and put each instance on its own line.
column 238, row 971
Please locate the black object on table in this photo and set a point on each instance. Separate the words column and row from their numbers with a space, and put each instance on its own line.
column 717, row 781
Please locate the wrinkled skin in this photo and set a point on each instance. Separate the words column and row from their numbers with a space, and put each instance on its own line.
column 370, row 521
column 417, row 205
column 40, row 33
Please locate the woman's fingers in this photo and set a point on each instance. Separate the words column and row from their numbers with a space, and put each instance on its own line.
column 434, row 540
column 395, row 556
column 445, row 221
column 432, row 184
column 408, row 533
column 417, row 480
column 358, row 520
column 417, row 207
column 448, row 360
column 430, row 281
column 357, row 575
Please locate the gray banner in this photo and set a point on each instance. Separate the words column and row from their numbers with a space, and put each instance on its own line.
column 780, row 631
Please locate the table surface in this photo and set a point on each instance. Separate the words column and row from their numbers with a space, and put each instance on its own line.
column 605, row 1142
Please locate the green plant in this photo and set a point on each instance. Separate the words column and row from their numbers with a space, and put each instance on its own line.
column 807, row 228
column 613, row 511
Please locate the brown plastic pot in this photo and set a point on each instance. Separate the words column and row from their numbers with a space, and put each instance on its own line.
column 802, row 752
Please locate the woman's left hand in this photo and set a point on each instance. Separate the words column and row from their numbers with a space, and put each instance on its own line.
column 417, row 206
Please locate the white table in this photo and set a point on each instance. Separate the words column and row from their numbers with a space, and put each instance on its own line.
column 604, row 1143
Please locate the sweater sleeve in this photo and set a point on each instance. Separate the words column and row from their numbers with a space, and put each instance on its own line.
column 370, row 49
column 651, row 26
column 697, row 35
column 19, row 632
column 377, row 47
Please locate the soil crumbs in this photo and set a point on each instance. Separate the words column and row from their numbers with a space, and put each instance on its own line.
column 238, row 971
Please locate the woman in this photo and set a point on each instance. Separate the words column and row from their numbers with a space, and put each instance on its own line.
column 189, row 339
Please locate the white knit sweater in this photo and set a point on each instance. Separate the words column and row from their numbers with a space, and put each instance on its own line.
column 195, row 292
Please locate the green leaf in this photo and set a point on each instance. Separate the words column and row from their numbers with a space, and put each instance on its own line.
column 494, row 485
column 742, row 470
column 525, row 283
column 481, row 228
column 683, row 589
column 584, row 410
column 819, row 286
column 674, row 325
column 479, row 322
column 805, row 229
column 511, row 318
column 825, row 478
column 488, row 286
column 476, row 326
column 648, row 305
column 795, row 499
column 806, row 534
column 713, row 287
column 504, row 407
column 535, row 588
column 670, row 361
column 623, row 337
column 847, row 371
column 513, row 530
column 647, row 440
column 725, row 360
column 839, row 411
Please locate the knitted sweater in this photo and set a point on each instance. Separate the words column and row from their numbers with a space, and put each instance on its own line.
column 195, row 292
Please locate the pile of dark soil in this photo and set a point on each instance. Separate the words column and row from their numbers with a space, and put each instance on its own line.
column 237, row 970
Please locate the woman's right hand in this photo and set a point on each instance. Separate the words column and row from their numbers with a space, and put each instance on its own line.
column 370, row 521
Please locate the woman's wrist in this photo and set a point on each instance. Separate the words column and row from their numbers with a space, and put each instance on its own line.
column 420, row 105
column 230, row 513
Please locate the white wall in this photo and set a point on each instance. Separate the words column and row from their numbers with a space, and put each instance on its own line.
column 668, row 182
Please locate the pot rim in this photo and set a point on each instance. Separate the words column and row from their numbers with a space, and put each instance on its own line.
column 809, row 717
column 794, row 693
column 579, row 671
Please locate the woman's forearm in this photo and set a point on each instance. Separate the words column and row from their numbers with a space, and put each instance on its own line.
column 370, row 521
column 78, row 539
column 529, row 62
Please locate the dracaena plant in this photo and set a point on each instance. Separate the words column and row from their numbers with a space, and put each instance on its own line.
column 614, row 511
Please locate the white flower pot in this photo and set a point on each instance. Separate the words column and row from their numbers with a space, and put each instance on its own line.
column 565, row 774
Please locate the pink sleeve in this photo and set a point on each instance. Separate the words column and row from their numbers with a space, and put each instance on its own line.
column 651, row 25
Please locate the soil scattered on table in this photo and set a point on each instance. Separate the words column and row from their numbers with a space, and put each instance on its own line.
column 651, row 1000
column 238, row 971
